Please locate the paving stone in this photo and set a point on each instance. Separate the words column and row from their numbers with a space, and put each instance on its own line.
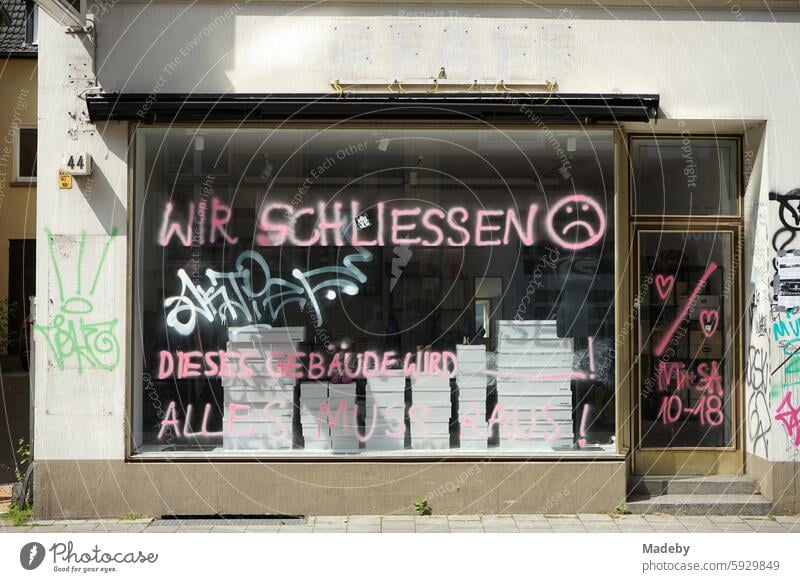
column 524, row 523
column 788, row 520
column 601, row 527
column 331, row 519
column 49, row 526
column 595, row 517
column 564, row 522
column 161, row 529
column 569, row 529
column 83, row 527
column 464, row 517
column 330, row 528
column 432, row 524
column 466, row 526
column 465, row 530
column 296, row 529
column 48, row 529
column 529, row 518
column 740, row 527
column 372, row 520
column 504, row 524
column 112, row 528
column 768, row 527
column 433, row 529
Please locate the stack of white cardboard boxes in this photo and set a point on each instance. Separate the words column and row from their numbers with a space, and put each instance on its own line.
column 430, row 411
column 472, row 379
column 534, row 367
column 385, row 409
column 327, row 416
column 267, row 422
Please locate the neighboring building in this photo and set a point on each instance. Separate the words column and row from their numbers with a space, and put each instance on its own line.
column 565, row 215
column 18, row 101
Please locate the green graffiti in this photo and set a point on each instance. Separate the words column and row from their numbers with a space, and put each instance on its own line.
column 73, row 337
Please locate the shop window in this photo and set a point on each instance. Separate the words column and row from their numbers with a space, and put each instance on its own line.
column 25, row 140
column 683, row 176
column 374, row 291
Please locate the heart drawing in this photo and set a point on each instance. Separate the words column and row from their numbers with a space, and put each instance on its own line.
column 664, row 285
column 709, row 320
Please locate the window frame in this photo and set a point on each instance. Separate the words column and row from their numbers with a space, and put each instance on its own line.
column 133, row 400
column 686, row 135
column 31, row 23
column 17, row 131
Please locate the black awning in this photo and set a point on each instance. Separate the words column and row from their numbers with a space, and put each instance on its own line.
column 584, row 108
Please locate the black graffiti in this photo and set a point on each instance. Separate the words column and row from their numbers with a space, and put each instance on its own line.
column 789, row 215
column 757, row 319
column 759, row 419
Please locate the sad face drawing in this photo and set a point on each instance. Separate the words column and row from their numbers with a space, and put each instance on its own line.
column 576, row 222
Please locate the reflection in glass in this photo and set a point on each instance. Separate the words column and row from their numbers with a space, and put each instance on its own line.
column 374, row 290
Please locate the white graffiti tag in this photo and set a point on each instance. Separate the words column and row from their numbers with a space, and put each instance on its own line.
column 233, row 295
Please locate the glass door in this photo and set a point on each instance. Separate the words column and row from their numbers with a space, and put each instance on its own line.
column 687, row 352
column 686, row 347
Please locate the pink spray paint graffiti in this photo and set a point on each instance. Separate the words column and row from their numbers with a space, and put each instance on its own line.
column 789, row 416
column 708, row 389
column 574, row 222
column 664, row 285
column 662, row 344
column 709, row 320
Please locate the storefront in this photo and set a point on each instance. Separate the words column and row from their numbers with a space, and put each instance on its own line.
column 505, row 298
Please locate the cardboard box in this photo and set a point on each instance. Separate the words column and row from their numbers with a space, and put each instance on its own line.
column 702, row 347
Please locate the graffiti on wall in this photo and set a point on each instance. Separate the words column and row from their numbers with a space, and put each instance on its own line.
column 758, row 412
column 789, row 216
column 789, row 416
column 76, row 336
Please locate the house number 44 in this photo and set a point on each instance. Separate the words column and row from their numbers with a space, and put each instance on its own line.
column 77, row 164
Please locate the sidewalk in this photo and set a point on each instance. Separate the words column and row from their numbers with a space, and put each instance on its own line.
column 433, row 524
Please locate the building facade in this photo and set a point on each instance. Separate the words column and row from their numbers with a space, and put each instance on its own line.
column 338, row 259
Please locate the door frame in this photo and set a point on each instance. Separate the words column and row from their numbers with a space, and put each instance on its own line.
column 686, row 460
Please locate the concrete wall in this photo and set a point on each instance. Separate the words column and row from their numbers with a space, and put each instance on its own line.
column 713, row 65
column 70, row 489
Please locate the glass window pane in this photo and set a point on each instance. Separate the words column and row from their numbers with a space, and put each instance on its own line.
column 684, row 176
column 303, row 291
column 27, row 152
column 685, row 336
